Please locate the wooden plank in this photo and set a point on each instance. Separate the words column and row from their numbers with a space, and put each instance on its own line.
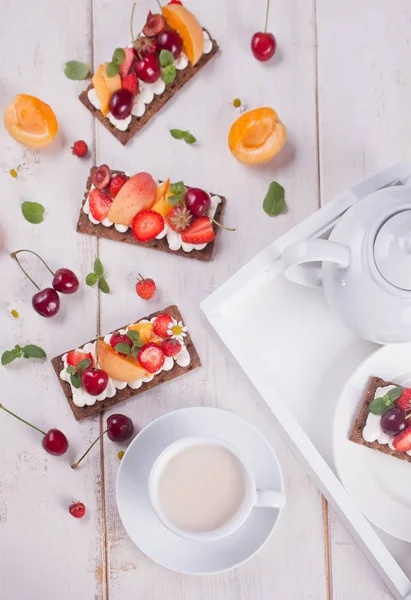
column 204, row 108
column 364, row 97
column 42, row 547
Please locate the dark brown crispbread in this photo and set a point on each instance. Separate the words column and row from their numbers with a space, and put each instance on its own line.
column 360, row 421
column 127, row 392
column 182, row 77
column 84, row 225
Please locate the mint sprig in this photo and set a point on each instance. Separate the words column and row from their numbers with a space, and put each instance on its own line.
column 28, row 351
column 178, row 190
column 167, row 62
column 113, row 67
column 98, row 276
column 75, row 372
column 76, row 70
column 180, row 134
column 274, row 203
column 379, row 406
column 33, row 212
column 125, row 348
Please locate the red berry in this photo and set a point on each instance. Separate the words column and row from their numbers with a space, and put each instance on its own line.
column 154, row 25
column 148, row 68
column 199, row 232
column 79, row 149
column 77, row 510
column 100, row 177
column 119, row 428
column 65, row 281
column 151, row 357
column 179, row 218
column 146, row 225
column 127, row 62
column 55, row 442
column 263, row 45
column 118, row 338
column 161, row 325
column 116, row 184
column 404, row 401
column 170, row 347
column 94, row 381
column 46, row 302
column 402, row 442
column 145, row 288
column 130, row 82
column 197, row 201
column 99, row 204
column 75, row 356
column 175, row 2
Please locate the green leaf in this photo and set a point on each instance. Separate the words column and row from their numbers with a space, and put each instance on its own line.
column 75, row 380
column 91, row 279
column 17, row 348
column 189, row 138
column 32, row 212
column 32, row 351
column 123, row 348
column 103, row 285
column 379, row 406
column 394, row 394
column 178, row 134
column 98, row 267
column 135, row 350
column 169, row 74
column 9, row 355
column 118, row 57
column 166, row 58
column 83, row 364
column 274, row 203
column 175, row 199
column 76, row 70
column 134, row 336
column 112, row 69
column 178, row 187
column 70, row 370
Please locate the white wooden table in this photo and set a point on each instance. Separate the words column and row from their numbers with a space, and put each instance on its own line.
column 341, row 83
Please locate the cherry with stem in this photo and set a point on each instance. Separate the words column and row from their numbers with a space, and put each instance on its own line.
column 263, row 43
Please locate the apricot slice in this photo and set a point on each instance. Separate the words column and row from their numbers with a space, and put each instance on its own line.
column 102, row 89
column 184, row 22
column 30, row 121
column 162, row 205
column 113, row 83
column 117, row 367
column 138, row 193
column 145, row 330
column 257, row 136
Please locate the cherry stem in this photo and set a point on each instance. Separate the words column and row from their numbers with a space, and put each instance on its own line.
column 76, row 464
column 22, row 420
column 131, row 22
column 159, row 5
column 222, row 226
column 266, row 16
column 13, row 255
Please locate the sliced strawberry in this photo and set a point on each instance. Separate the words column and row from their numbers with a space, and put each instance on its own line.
column 146, row 225
column 116, row 183
column 151, row 357
column 199, row 232
column 99, row 204
column 130, row 83
column 170, row 347
column 402, row 442
column 404, row 401
column 75, row 356
column 161, row 325
column 118, row 338
column 127, row 62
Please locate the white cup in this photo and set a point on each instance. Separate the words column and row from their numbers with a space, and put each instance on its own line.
column 253, row 497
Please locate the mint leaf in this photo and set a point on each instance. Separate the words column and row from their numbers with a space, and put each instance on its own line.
column 98, row 267
column 379, row 406
column 70, row 370
column 75, row 380
column 166, row 58
column 274, row 203
column 189, row 138
column 394, row 394
column 123, row 348
column 76, row 70
column 136, row 349
column 91, row 279
column 178, row 134
column 118, row 57
column 32, row 212
column 133, row 335
column 169, row 74
column 83, row 364
column 112, row 69
column 9, row 355
column 178, row 187
column 103, row 285
column 32, row 351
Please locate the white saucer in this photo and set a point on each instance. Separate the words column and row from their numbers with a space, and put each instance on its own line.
column 141, row 522
column 380, row 484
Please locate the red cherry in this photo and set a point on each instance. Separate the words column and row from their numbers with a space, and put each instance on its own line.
column 197, row 201
column 46, row 302
column 154, row 24
column 94, row 381
column 119, row 428
column 171, row 41
column 77, row 510
column 100, row 176
column 121, row 103
column 147, row 68
column 55, row 442
column 65, row 281
column 263, row 45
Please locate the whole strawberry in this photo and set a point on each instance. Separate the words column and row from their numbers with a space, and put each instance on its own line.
column 77, row 510
column 79, row 149
column 145, row 288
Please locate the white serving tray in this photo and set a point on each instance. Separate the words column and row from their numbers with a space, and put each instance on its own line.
column 308, row 347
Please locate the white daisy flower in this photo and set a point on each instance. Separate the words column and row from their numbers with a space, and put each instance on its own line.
column 239, row 106
column 13, row 173
column 177, row 330
column 13, row 313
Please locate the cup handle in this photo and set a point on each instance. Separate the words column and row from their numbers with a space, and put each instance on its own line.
column 270, row 498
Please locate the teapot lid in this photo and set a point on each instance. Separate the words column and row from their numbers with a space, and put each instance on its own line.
column 392, row 250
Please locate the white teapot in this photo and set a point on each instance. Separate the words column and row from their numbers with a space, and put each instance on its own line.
column 366, row 266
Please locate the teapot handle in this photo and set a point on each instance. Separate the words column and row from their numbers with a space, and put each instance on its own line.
column 298, row 254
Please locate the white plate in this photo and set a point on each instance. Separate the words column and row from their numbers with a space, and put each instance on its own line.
column 380, row 484
column 141, row 522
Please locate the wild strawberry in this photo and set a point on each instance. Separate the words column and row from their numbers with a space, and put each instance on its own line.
column 145, row 288
column 170, row 347
column 75, row 356
column 77, row 510
column 127, row 62
column 130, row 83
column 151, row 357
column 99, row 204
column 179, row 218
column 79, row 149
column 116, row 183
column 402, row 442
column 118, row 338
column 161, row 325
column 404, row 401
column 146, row 225
column 199, row 232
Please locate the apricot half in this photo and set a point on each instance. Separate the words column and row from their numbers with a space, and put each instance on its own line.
column 30, row 121
column 184, row 22
column 117, row 367
column 257, row 136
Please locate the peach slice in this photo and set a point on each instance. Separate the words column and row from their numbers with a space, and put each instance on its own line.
column 102, row 89
column 30, row 121
column 138, row 193
column 257, row 136
column 184, row 22
column 113, row 83
column 145, row 330
column 117, row 367
column 162, row 205
column 162, row 190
